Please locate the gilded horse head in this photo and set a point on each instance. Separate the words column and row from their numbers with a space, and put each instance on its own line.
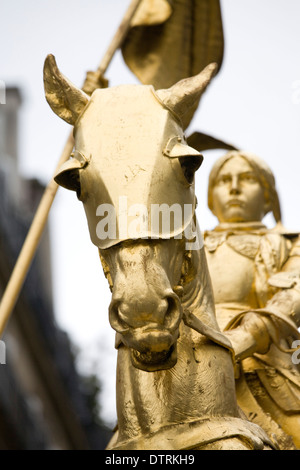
column 134, row 173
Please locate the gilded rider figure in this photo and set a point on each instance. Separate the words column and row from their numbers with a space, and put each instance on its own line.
column 255, row 274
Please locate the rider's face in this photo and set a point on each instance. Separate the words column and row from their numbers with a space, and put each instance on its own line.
column 237, row 194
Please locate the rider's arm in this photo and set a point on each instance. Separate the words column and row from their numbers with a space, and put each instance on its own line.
column 254, row 332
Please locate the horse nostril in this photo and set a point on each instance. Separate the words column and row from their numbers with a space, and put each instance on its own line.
column 174, row 312
column 115, row 319
column 166, row 312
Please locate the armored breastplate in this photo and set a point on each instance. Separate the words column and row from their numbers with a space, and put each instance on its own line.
column 233, row 272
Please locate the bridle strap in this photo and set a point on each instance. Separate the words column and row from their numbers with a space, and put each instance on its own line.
column 217, row 337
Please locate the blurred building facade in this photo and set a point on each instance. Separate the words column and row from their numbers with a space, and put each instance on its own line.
column 44, row 402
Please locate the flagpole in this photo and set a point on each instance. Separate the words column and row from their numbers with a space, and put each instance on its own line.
column 93, row 80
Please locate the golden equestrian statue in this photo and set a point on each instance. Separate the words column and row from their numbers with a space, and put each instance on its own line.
column 134, row 173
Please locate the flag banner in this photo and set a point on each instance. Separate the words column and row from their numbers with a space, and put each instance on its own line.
column 173, row 39
column 201, row 142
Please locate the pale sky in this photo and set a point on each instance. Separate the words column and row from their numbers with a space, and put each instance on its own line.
column 254, row 102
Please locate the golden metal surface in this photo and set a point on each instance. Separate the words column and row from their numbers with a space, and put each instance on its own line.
column 175, row 378
column 255, row 275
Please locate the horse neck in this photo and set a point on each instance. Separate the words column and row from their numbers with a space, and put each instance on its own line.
column 197, row 294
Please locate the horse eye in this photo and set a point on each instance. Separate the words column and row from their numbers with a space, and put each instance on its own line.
column 190, row 165
column 75, row 182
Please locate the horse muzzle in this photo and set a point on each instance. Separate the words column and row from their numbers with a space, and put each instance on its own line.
column 152, row 348
column 152, row 362
column 152, row 344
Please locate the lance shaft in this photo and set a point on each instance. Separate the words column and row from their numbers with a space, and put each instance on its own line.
column 93, row 80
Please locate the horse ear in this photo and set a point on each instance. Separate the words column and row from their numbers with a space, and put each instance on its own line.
column 182, row 96
column 64, row 98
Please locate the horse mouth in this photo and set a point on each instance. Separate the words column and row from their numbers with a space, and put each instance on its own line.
column 151, row 361
column 152, row 347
